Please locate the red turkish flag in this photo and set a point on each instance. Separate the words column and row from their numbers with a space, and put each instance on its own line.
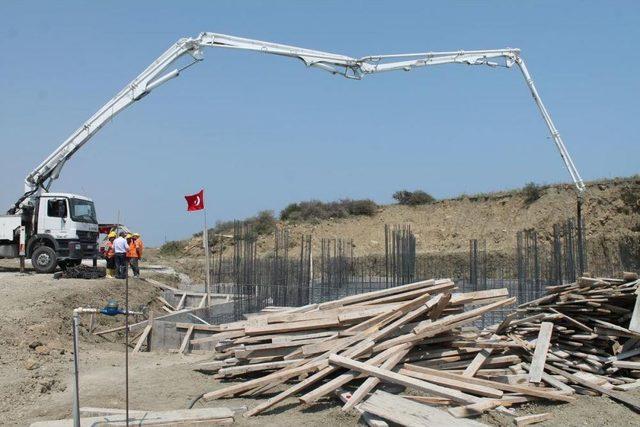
column 195, row 202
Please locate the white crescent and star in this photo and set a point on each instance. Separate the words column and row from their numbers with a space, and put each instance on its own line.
column 197, row 201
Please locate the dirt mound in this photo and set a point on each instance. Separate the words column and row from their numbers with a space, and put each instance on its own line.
column 35, row 333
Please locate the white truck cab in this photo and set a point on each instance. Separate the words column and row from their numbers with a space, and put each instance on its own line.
column 61, row 229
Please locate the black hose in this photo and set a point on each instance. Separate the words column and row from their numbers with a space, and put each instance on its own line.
column 195, row 400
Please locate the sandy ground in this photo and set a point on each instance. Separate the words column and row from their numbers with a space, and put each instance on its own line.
column 36, row 362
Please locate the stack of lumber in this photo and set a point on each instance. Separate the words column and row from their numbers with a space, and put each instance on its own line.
column 589, row 330
column 417, row 336
column 581, row 337
column 280, row 337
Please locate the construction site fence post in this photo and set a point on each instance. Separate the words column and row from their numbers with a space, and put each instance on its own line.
column 207, row 265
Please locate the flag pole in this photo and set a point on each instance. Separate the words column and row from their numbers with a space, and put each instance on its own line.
column 205, row 238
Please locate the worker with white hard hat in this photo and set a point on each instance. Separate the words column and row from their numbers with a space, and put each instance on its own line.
column 121, row 247
column 139, row 244
column 132, row 255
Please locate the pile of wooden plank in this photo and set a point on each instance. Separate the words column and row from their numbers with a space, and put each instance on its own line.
column 586, row 333
column 419, row 336
column 582, row 337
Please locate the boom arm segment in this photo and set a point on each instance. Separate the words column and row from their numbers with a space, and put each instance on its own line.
column 41, row 178
column 508, row 57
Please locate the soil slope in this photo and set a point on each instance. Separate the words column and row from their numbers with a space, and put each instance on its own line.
column 611, row 211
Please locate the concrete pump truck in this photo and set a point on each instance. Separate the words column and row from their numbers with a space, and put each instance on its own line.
column 61, row 229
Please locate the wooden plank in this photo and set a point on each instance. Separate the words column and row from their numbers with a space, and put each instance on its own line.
column 477, row 296
column 145, row 334
column 461, row 384
column 540, row 353
column 254, row 367
column 412, row 414
column 320, row 347
column 293, row 336
column 413, row 337
column 477, row 362
column 506, row 322
column 627, row 386
column 121, row 328
column 474, row 409
column 185, row 341
column 89, row 411
column 526, row 420
column 371, row 382
column 292, row 327
column 277, row 377
column 552, row 381
column 634, row 322
column 181, row 302
column 343, row 379
column 363, row 345
column 529, row 391
column 461, row 363
column 443, row 302
column 404, row 380
column 624, row 364
column 377, row 294
column 428, row 400
column 625, row 354
column 217, row 337
column 369, row 419
column 438, row 288
column 290, row 391
column 426, row 327
column 180, row 417
column 203, row 301
column 620, row 329
column 621, row 397
column 142, row 339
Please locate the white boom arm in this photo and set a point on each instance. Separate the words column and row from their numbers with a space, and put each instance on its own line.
column 41, row 178
column 380, row 63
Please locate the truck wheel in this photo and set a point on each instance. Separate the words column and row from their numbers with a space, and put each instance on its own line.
column 44, row 259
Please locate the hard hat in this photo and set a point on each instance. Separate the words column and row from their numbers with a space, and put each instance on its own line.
column 136, row 234
column 112, row 234
column 129, row 236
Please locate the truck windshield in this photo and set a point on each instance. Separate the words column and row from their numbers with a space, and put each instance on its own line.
column 83, row 211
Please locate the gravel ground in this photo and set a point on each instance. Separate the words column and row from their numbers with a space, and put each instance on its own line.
column 36, row 362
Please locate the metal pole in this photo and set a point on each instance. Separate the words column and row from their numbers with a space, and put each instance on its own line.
column 580, row 235
column 76, row 380
column 207, row 278
column 126, row 344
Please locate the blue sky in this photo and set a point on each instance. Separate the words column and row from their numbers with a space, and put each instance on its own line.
column 259, row 132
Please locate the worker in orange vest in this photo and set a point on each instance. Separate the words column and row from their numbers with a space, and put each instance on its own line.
column 139, row 244
column 110, row 255
column 132, row 255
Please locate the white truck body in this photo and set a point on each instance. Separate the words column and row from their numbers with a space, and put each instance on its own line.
column 60, row 230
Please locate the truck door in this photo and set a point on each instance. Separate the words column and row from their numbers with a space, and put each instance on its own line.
column 53, row 216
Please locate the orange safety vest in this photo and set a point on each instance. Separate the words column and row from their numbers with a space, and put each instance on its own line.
column 139, row 246
column 108, row 250
column 133, row 250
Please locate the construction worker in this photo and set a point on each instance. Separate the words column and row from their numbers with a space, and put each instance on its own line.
column 139, row 244
column 110, row 255
column 121, row 247
column 132, row 255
